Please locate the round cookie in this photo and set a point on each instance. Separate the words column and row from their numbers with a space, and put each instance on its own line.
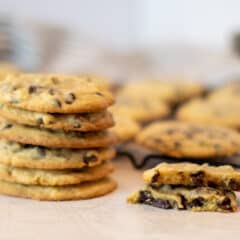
column 6, row 69
column 54, row 138
column 69, row 122
column 226, row 114
column 125, row 128
column 186, row 140
column 226, row 93
column 171, row 90
column 141, row 109
column 54, row 93
column 59, row 193
column 54, row 177
column 30, row 156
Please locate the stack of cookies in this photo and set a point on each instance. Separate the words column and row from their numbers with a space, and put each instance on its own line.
column 54, row 142
column 186, row 185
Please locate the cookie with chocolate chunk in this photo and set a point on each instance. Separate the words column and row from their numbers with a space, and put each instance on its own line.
column 29, row 156
column 59, row 193
column 222, row 113
column 32, row 176
column 69, row 122
column 226, row 93
column 140, row 108
column 194, row 175
column 54, row 138
column 188, row 140
column 195, row 199
column 54, row 93
column 168, row 89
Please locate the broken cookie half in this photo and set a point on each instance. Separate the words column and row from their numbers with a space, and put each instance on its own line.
column 171, row 194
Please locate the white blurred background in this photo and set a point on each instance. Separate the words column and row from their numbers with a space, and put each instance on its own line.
column 174, row 35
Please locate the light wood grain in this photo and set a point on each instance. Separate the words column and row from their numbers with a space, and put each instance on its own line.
column 110, row 217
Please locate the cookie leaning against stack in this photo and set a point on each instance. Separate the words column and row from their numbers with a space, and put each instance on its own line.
column 54, row 142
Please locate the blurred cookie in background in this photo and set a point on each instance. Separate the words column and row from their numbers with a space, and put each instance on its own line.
column 223, row 113
column 190, row 140
column 7, row 68
column 171, row 90
column 227, row 92
column 140, row 108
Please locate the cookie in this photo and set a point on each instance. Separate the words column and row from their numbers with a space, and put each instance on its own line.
column 171, row 90
column 141, row 109
column 6, row 69
column 69, row 122
column 194, row 175
column 194, row 199
column 125, row 128
column 186, row 140
column 226, row 114
column 59, row 193
column 29, row 156
column 54, row 138
column 54, row 177
column 54, row 93
column 226, row 93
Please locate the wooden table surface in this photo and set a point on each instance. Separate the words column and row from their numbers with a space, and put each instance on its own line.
column 110, row 217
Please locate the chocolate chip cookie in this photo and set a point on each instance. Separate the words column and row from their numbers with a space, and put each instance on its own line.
column 30, row 156
column 30, row 176
column 194, row 199
column 54, row 138
column 140, row 108
column 54, row 93
column 187, row 140
column 223, row 113
column 168, row 89
column 69, row 122
column 59, row 193
column 194, row 175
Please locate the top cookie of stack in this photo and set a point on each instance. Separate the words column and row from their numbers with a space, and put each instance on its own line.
column 43, row 113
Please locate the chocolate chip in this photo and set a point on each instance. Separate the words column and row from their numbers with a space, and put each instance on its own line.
column 41, row 151
column 57, row 103
column 212, row 184
column 70, row 98
column 225, row 204
column 55, row 80
column 87, row 158
column 234, row 185
column 183, row 201
column 155, row 177
column 40, row 121
column 52, row 91
column 198, row 178
column 145, row 197
column 161, row 203
column 197, row 202
column 32, row 89
column 7, row 126
column 99, row 94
